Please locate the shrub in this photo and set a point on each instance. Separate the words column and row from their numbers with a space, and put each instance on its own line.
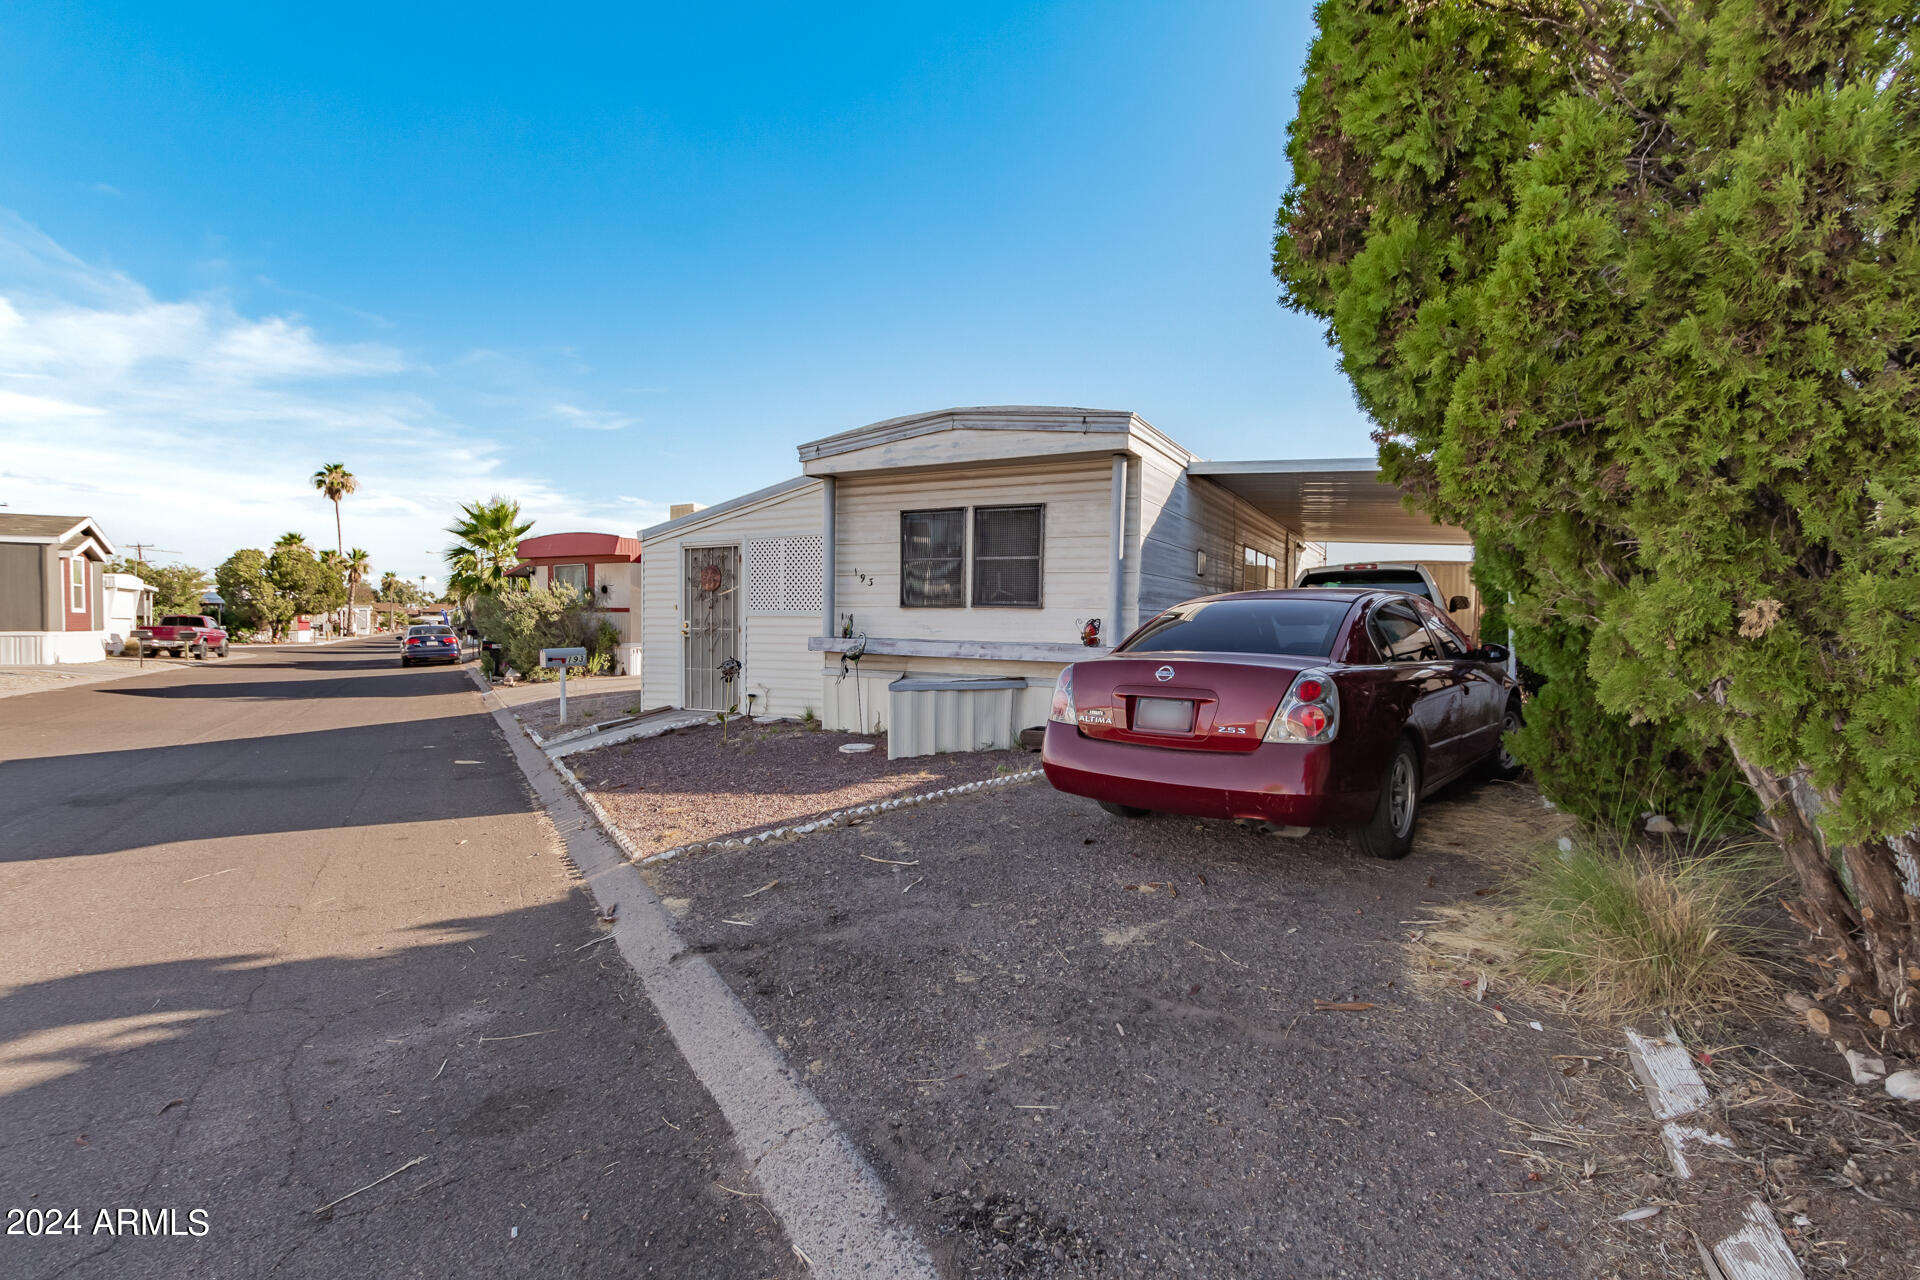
column 1634, row 289
column 526, row 621
column 1600, row 766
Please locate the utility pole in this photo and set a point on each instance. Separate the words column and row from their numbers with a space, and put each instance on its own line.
column 141, row 548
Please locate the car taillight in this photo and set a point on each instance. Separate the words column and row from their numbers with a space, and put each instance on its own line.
column 413, row 639
column 1309, row 713
column 1062, row 710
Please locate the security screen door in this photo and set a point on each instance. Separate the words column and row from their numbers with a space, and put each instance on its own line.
column 713, row 624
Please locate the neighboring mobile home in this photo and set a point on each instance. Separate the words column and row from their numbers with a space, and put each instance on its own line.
column 965, row 556
column 51, row 610
column 602, row 566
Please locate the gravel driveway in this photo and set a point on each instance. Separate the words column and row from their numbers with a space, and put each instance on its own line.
column 1076, row 1045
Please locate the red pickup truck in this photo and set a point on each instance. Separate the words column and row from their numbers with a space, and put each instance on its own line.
column 181, row 633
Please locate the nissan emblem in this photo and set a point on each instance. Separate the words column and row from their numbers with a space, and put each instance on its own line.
column 1163, row 675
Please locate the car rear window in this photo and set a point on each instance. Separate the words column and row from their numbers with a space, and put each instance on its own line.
column 180, row 620
column 1393, row 579
column 1306, row 628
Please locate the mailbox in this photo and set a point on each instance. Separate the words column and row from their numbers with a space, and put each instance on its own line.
column 563, row 658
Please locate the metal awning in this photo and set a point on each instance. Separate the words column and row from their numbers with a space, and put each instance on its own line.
column 1329, row 499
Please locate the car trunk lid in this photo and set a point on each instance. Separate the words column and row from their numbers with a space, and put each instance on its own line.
column 1197, row 703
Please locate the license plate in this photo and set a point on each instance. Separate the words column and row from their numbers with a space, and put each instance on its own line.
column 1163, row 715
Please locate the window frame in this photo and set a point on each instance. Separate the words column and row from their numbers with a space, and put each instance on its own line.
column 960, row 560
column 586, row 572
column 1254, row 558
column 77, row 584
column 1444, row 632
column 1039, row 556
column 1387, row 656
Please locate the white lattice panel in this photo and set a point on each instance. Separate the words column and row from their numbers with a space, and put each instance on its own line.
column 786, row 575
column 805, row 577
column 765, row 589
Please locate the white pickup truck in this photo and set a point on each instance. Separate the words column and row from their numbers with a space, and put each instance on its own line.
column 1458, row 596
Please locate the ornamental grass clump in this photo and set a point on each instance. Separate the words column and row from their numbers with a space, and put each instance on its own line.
column 1628, row 931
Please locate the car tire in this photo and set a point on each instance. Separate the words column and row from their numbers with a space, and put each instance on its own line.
column 1123, row 810
column 1501, row 764
column 222, row 650
column 1390, row 833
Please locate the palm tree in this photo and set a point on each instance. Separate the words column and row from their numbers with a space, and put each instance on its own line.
column 389, row 585
column 336, row 482
column 489, row 534
column 359, row 564
column 290, row 540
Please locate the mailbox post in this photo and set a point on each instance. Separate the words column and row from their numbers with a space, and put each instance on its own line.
column 561, row 659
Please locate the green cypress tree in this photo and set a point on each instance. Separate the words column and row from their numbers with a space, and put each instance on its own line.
column 1634, row 290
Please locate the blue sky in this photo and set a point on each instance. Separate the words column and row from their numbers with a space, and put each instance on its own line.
column 606, row 260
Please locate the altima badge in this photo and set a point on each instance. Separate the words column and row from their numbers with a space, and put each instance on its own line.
column 1163, row 675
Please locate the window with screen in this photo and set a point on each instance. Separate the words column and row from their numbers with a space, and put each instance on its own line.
column 77, row 584
column 1400, row 635
column 1304, row 628
column 1007, row 555
column 1256, row 570
column 933, row 558
column 571, row 575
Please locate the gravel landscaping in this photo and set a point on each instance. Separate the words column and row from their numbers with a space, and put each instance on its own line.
column 687, row 785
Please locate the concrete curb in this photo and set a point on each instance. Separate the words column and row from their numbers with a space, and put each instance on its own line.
column 1679, row 1098
column 832, row 1205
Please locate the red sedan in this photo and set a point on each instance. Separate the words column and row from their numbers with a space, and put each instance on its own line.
column 1294, row 709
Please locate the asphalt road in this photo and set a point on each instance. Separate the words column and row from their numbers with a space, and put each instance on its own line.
column 274, row 928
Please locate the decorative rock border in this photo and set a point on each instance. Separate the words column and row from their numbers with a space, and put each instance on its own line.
column 838, row 818
column 1677, row 1094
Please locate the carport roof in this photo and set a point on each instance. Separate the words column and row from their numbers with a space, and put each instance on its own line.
column 1329, row 499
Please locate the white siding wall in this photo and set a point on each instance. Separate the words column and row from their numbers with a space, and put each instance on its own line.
column 1074, row 582
column 778, row 669
column 1184, row 516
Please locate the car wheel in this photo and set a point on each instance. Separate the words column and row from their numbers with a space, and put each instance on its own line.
column 1390, row 833
column 222, row 650
column 1503, row 764
column 1123, row 810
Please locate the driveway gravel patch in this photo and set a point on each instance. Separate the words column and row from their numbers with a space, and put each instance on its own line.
column 1077, row 1045
column 687, row 785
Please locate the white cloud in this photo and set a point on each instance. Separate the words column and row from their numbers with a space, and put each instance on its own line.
column 190, row 424
column 590, row 419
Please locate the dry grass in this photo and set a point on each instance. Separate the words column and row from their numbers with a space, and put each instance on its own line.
column 1613, row 932
column 1631, row 931
column 1603, row 928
